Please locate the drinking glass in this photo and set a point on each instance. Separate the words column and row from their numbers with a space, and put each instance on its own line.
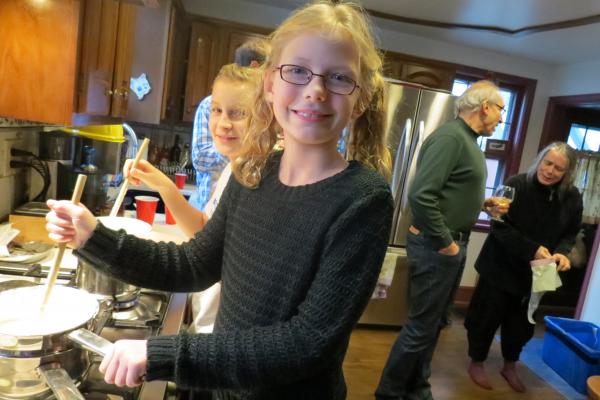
column 503, row 196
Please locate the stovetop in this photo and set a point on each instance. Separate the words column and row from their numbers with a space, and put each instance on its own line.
column 154, row 313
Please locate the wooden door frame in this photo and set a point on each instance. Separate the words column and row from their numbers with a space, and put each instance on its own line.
column 588, row 275
column 555, row 106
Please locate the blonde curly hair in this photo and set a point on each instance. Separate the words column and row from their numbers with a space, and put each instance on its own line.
column 367, row 135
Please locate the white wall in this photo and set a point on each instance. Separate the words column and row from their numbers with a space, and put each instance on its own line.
column 591, row 306
column 580, row 78
column 552, row 80
column 14, row 188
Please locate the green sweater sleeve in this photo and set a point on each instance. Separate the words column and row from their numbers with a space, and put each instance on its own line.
column 436, row 161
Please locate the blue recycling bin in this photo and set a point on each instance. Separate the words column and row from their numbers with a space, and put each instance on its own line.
column 572, row 349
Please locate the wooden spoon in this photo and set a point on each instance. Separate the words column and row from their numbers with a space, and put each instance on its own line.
column 81, row 178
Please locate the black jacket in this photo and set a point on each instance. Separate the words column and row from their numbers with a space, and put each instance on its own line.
column 537, row 217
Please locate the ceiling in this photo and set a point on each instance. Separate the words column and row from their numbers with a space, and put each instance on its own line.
column 559, row 46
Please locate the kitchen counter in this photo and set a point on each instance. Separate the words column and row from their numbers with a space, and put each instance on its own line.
column 161, row 231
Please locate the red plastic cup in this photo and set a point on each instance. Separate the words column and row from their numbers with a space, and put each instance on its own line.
column 146, row 208
column 180, row 178
column 169, row 217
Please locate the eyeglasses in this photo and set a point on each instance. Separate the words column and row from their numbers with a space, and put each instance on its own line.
column 333, row 82
column 502, row 109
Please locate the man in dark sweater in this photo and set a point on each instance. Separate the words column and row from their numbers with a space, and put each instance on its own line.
column 446, row 197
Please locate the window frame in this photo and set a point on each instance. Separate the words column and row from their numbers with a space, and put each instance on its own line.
column 587, row 128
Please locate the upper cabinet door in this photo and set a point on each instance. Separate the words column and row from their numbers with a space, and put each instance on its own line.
column 98, row 56
column 202, row 67
column 123, row 59
column 106, row 53
column 38, row 59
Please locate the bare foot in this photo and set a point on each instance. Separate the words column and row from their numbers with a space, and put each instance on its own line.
column 509, row 372
column 478, row 375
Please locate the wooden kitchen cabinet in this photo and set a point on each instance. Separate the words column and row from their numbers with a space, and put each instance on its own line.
column 202, row 66
column 212, row 45
column 66, row 62
column 106, row 57
column 38, row 59
column 422, row 72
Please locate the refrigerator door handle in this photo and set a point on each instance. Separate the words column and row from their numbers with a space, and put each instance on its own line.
column 413, row 156
column 400, row 160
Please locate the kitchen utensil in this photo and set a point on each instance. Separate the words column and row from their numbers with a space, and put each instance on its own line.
column 15, row 283
column 101, row 284
column 62, row 246
column 46, row 342
column 123, row 190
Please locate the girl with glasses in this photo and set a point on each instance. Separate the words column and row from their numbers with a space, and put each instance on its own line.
column 297, row 239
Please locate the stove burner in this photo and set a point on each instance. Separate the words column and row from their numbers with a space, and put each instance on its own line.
column 140, row 313
column 146, row 311
column 120, row 304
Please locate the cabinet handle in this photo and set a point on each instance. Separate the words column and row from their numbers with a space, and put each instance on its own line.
column 108, row 92
column 123, row 92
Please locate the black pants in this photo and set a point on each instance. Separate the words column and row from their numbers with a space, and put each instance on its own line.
column 491, row 308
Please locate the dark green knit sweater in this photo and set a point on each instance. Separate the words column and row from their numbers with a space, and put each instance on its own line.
column 448, row 189
column 297, row 264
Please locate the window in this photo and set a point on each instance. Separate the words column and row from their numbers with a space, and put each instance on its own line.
column 496, row 165
column 583, row 137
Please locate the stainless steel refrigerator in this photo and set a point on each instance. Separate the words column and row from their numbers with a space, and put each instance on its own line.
column 412, row 114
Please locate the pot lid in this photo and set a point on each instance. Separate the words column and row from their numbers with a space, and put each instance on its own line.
column 21, row 314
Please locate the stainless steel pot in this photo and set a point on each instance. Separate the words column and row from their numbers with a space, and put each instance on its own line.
column 93, row 281
column 41, row 350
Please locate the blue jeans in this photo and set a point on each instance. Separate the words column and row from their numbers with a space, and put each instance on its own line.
column 434, row 278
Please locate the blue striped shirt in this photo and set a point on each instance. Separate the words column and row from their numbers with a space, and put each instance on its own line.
column 207, row 161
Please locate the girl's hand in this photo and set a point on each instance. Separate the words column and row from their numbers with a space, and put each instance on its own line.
column 70, row 223
column 562, row 262
column 125, row 363
column 542, row 253
column 146, row 173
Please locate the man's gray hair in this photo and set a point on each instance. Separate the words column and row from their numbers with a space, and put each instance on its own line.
column 476, row 94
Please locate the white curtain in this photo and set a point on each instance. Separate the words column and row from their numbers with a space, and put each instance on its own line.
column 587, row 180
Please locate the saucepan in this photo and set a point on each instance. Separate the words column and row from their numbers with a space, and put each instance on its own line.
column 43, row 350
column 94, row 281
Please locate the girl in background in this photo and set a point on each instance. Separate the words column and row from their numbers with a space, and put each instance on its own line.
column 232, row 94
column 297, row 239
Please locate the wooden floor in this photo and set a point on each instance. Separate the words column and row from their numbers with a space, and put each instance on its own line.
column 369, row 348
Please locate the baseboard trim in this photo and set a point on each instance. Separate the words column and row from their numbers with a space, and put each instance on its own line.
column 463, row 295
